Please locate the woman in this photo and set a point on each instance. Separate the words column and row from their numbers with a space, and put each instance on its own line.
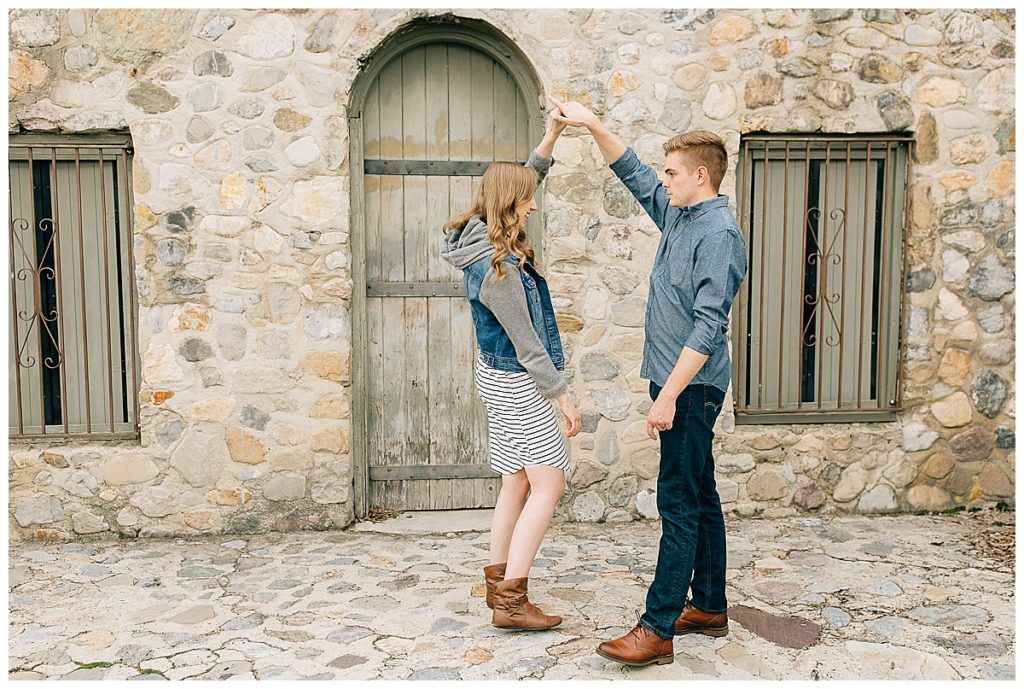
column 517, row 374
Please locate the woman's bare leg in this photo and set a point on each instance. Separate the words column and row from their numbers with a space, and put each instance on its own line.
column 511, row 499
column 546, row 487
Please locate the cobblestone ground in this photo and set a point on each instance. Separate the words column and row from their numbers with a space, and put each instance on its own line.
column 895, row 597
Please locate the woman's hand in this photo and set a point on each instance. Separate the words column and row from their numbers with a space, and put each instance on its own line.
column 573, row 420
column 555, row 126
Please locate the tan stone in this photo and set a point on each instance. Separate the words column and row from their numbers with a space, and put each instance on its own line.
column 950, row 307
column 160, row 365
column 764, row 442
column 808, row 443
column 996, row 91
column 285, row 434
column 622, row 81
column 966, row 331
column 145, row 218
column 317, row 201
column 201, row 520
column 332, row 406
column 568, row 324
column 690, row 77
column 161, row 396
column 189, row 317
column 291, row 460
column 938, row 91
column 866, row 38
column 213, row 409
column 720, row 101
column 215, row 157
column 968, row 149
column 766, row 484
column 289, row 120
column 957, row 179
column 477, row 655
column 234, row 191
column 776, row 47
column 267, row 191
column 225, row 225
column 731, row 30
column 922, row 211
column 131, row 36
column 331, row 440
column 229, row 496
column 25, row 73
column 718, row 63
column 994, row 482
column 955, row 367
column 835, row 94
column 244, row 446
column 938, row 465
column 761, row 90
column 127, row 469
column 953, row 411
column 926, row 497
column 1000, row 180
column 329, row 365
column 849, row 486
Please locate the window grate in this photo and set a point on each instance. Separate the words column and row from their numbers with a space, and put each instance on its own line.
column 74, row 368
column 817, row 324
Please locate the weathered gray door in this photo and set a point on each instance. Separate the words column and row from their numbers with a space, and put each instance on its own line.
column 432, row 119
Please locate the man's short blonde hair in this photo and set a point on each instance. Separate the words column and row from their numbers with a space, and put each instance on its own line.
column 701, row 148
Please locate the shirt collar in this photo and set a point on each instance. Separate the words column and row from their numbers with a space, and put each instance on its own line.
column 699, row 209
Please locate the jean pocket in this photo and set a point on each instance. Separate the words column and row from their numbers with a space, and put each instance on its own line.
column 713, row 407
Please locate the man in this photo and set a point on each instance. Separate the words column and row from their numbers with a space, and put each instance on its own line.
column 697, row 271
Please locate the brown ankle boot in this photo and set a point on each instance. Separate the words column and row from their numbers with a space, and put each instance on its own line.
column 492, row 575
column 514, row 611
column 640, row 646
column 695, row 621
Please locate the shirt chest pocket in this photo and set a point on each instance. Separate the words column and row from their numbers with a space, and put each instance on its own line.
column 678, row 267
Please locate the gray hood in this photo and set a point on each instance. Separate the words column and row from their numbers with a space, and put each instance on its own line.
column 468, row 245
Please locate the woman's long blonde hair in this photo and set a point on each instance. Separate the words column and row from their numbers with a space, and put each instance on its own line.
column 503, row 187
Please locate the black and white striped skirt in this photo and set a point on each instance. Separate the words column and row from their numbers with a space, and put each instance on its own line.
column 521, row 425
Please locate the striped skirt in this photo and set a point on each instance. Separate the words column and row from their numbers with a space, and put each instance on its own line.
column 521, row 425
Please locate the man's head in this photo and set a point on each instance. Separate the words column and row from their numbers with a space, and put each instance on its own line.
column 695, row 164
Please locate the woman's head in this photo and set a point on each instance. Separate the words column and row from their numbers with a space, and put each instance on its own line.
column 504, row 200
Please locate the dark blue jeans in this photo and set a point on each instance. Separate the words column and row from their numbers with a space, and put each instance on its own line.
column 691, row 554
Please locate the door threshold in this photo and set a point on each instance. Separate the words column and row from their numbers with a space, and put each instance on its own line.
column 430, row 522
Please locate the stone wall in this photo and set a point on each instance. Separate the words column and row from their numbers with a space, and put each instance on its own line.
column 240, row 178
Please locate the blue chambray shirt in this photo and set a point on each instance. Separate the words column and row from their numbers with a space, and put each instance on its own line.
column 697, row 271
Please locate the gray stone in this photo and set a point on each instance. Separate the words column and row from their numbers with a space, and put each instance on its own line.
column 990, row 280
column 185, row 286
column 618, row 201
column 588, row 507
column 171, row 252
column 921, row 280
column 687, row 18
column 917, row 322
column 895, row 110
column 326, row 321
column 619, row 280
column 250, row 621
column 436, row 673
column 81, row 483
column 255, row 138
column 598, row 366
column 989, row 391
column 80, row 58
column 152, row 99
column 878, row 499
column 319, row 39
column 612, row 402
column 44, row 510
column 198, row 130
column 880, row 16
column 676, row 115
column 212, row 63
column 1006, row 438
column 797, row 67
column 917, row 436
column 253, row 417
column 270, row 36
column 950, row 615
column 590, row 421
column 260, row 78
column 86, row 523
column 285, row 487
column 529, row 666
column 204, row 96
column 735, row 463
column 154, row 501
column 991, row 318
column 978, row 645
column 630, row 313
column 263, row 163
column 247, row 108
column 133, row 654
column 647, row 504
column 991, row 214
column 622, row 490
column 168, row 432
column 884, row 587
column 889, row 627
column 231, row 340
column 1005, row 136
column 607, row 450
column 830, row 15
column 33, row 28
column 216, row 27
column 195, row 349
column 818, row 40
column 198, row 572
column 963, row 214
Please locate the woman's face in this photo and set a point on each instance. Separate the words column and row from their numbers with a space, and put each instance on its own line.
column 524, row 209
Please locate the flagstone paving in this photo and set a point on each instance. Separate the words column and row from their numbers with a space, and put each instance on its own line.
column 891, row 597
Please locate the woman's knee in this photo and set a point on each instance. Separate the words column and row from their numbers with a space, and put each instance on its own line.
column 515, row 485
column 547, row 482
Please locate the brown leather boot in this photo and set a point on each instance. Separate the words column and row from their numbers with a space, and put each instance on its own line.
column 492, row 575
column 640, row 646
column 694, row 621
column 512, row 609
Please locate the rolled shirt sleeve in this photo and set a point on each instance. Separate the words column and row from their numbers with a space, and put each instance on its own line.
column 719, row 266
column 539, row 164
column 646, row 187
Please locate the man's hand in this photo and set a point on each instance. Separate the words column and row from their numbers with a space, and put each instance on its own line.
column 574, row 113
column 662, row 413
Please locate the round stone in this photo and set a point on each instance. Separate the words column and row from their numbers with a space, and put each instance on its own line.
column 33, row 28
column 171, row 252
column 588, row 507
column 762, row 90
column 989, row 391
column 43, row 510
column 80, row 58
column 878, row 499
column 271, row 36
column 720, row 101
column 204, row 96
column 212, row 63
column 647, row 504
column 216, row 27
column 835, row 94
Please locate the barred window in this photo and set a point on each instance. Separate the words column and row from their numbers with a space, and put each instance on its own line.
column 72, row 335
column 817, row 324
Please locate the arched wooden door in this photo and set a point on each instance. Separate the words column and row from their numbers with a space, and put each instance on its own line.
column 434, row 115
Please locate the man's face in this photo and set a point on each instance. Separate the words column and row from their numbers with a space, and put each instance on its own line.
column 682, row 184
